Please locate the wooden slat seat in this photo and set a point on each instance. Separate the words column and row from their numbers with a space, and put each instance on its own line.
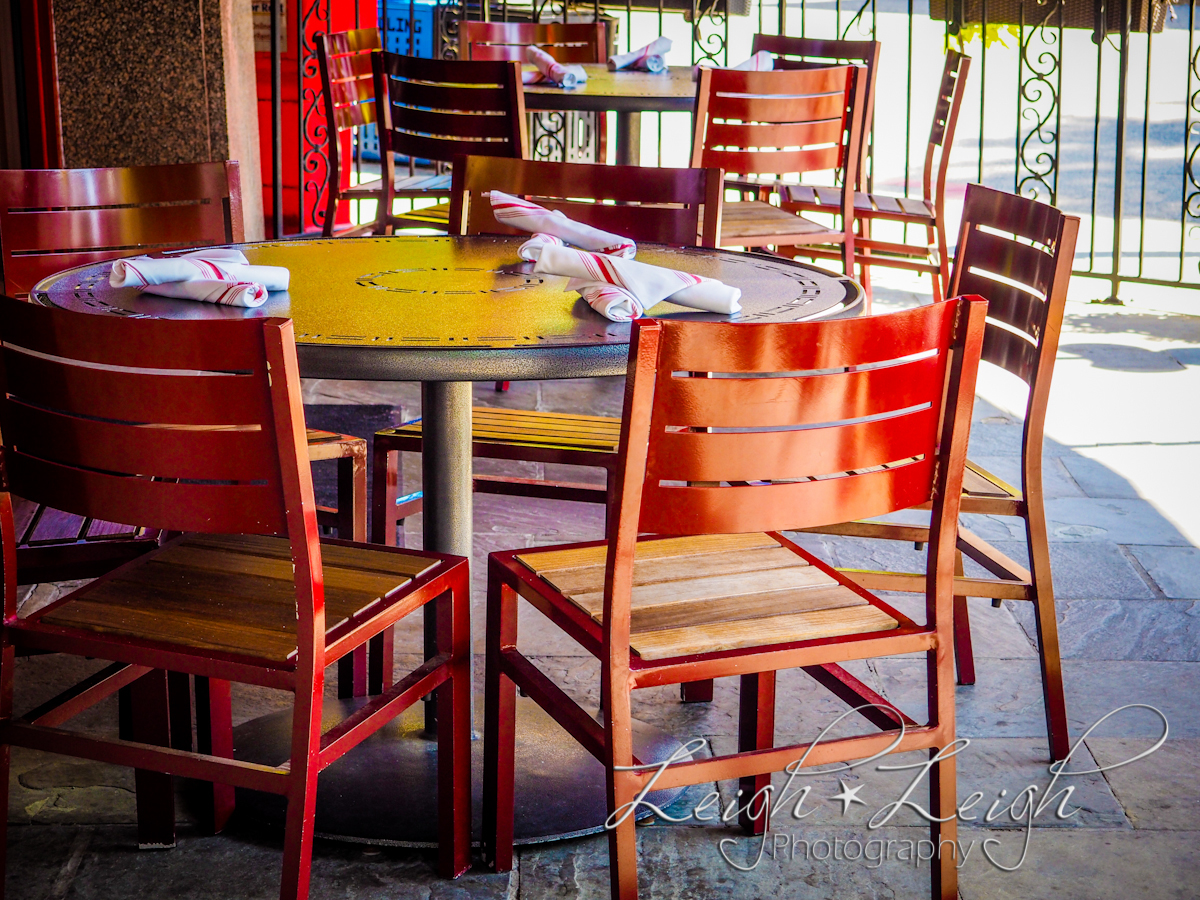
column 420, row 185
column 528, row 428
column 231, row 594
column 882, row 206
column 980, row 484
column 753, row 219
column 713, row 593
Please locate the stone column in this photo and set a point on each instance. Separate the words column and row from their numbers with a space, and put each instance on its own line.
column 144, row 82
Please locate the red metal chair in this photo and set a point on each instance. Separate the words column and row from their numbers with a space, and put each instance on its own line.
column 438, row 109
column 1018, row 253
column 765, row 125
column 348, row 88
column 52, row 219
column 674, row 206
column 197, row 427
column 807, row 423
column 927, row 213
column 572, row 42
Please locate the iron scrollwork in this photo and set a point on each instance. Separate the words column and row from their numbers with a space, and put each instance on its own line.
column 314, row 131
column 1039, row 77
column 1191, row 204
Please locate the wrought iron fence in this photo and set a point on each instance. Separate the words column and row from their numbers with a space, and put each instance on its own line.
column 1091, row 105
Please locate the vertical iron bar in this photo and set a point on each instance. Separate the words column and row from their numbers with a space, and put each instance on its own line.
column 908, row 106
column 783, row 16
column 1096, row 154
column 276, row 125
column 1020, row 81
column 1187, row 136
column 1119, row 174
column 1145, row 158
column 983, row 17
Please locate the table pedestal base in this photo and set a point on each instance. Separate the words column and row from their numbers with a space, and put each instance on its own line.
column 385, row 790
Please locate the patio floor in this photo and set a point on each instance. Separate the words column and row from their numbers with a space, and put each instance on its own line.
column 1124, row 504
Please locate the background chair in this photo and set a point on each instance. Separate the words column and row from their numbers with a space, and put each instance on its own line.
column 927, row 212
column 810, row 53
column 142, row 421
column 572, row 42
column 674, row 206
column 751, row 124
column 348, row 89
column 721, row 465
column 438, row 109
column 1018, row 253
column 52, row 219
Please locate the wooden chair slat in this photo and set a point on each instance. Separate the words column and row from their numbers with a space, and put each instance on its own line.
column 436, row 123
column 573, row 42
column 844, row 343
column 171, row 507
column 769, row 402
column 1011, row 352
column 164, row 451
column 780, row 162
column 126, row 229
column 1021, row 263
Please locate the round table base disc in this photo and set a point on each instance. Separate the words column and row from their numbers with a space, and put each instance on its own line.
column 384, row 791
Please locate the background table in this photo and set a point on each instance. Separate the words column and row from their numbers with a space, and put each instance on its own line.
column 447, row 311
column 627, row 93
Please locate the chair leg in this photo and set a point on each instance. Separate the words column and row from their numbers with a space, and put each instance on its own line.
column 964, row 658
column 383, row 488
column 696, row 691
column 352, row 673
column 302, row 792
column 756, row 731
column 499, row 729
column 943, row 802
column 214, row 736
column 352, row 498
column 454, row 732
column 864, row 268
column 380, row 663
column 1047, row 631
column 149, row 722
column 622, row 840
column 941, row 281
column 7, row 661
column 501, row 386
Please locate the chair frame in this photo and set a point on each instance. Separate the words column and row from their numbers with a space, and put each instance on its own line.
column 657, row 350
column 1031, row 358
column 273, row 497
column 928, row 213
column 435, row 86
column 673, row 206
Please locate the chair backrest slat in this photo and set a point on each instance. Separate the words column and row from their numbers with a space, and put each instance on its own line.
column 438, row 109
column 176, row 457
column 53, row 219
column 670, row 206
column 574, row 42
column 763, row 427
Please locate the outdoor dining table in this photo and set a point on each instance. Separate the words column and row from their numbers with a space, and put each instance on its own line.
column 449, row 311
column 626, row 92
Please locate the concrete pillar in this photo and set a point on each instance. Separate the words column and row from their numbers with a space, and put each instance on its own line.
column 143, row 82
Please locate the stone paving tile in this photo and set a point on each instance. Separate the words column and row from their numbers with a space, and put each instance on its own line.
column 1160, row 792
column 1056, row 480
column 1083, row 571
column 237, row 865
column 1175, row 569
column 999, row 769
column 1121, row 521
column 1161, row 630
column 685, row 863
column 38, row 857
column 995, row 633
column 1086, row 865
column 1097, row 479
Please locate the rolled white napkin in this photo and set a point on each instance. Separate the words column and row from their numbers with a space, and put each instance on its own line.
column 217, row 264
column 537, row 219
column 225, row 293
column 532, row 248
column 762, row 61
column 648, row 58
column 551, row 70
column 645, row 284
column 612, row 302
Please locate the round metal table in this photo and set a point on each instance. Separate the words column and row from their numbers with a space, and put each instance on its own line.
column 628, row 93
column 448, row 311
